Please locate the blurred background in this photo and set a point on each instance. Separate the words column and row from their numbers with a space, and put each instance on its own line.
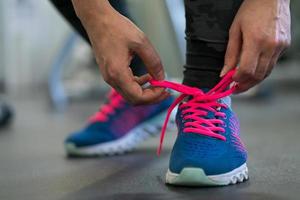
column 34, row 38
column 50, row 84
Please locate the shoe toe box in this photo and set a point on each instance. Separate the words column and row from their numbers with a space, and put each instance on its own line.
column 91, row 135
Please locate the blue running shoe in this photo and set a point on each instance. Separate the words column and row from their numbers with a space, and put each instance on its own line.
column 208, row 150
column 117, row 127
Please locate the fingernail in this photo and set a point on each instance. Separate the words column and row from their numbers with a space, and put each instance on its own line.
column 223, row 72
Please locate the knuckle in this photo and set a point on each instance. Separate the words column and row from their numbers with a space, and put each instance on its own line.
column 247, row 73
column 112, row 73
column 281, row 43
column 157, row 62
column 141, row 40
column 273, row 43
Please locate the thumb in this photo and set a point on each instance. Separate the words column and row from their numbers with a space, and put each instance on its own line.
column 151, row 59
column 232, row 52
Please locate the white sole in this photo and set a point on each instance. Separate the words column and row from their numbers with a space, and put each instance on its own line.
column 147, row 129
column 197, row 177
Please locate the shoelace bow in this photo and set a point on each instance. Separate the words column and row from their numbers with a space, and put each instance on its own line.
column 115, row 100
column 198, row 107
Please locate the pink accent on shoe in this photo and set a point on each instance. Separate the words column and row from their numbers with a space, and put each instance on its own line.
column 129, row 118
column 235, row 130
column 115, row 100
column 205, row 101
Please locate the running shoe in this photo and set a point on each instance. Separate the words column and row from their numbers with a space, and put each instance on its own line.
column 208, row 150
column 117, row 127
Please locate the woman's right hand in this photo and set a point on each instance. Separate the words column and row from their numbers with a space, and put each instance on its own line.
column 115, row 40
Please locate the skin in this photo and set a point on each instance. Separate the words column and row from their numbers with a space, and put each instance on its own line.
column 115, row 40
column 259, row 34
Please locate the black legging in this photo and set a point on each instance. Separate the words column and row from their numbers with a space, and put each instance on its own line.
column 207, row 26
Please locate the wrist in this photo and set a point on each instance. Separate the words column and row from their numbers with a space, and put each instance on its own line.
column 89, row 10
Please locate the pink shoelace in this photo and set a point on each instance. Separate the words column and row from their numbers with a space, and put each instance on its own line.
column 115, row 100
column 198, row 107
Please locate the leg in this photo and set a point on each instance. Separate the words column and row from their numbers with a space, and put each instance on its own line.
column 208, row 150
column 207, row 27
column 65, row 7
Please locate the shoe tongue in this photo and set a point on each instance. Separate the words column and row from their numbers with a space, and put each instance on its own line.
column 224, row 100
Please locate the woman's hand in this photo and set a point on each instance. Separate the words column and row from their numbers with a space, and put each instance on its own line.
column 115, row 40
column 258, row 35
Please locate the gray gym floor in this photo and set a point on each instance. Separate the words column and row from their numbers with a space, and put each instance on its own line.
column 33, row 164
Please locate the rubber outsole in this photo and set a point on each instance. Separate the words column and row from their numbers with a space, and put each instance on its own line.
column 127, row 143
column 196, row 177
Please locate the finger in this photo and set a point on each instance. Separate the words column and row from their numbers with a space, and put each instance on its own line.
column 233, row 50
column 158, row 99
column 248, row 63
column 148, row 96
column 134, row 101
column 259, row 75
column 114, row 73
column 274, row 60
column 263, row 66
column 133, row 92
column 244, row 87
column 143, row 79
column 150, row 58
